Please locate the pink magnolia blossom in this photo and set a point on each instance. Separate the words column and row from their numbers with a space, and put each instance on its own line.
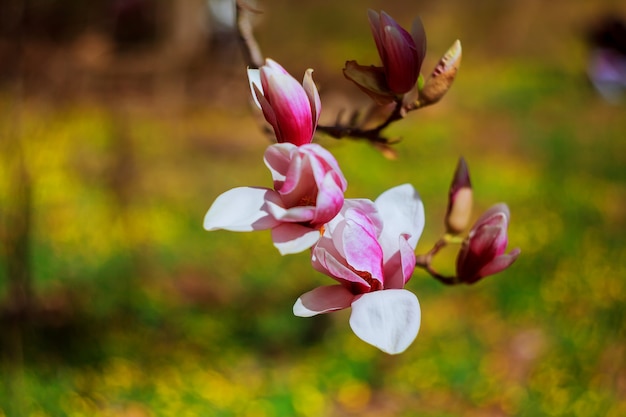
column 369, row 249
column 482, row 253
column 293, row 109
column 401, row 53
column 308, row 192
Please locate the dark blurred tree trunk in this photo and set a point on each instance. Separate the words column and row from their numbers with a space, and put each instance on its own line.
column 17, row 214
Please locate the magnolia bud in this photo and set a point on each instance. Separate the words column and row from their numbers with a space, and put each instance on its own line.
column 442, row 77
column 459, row 201
column 482, row 252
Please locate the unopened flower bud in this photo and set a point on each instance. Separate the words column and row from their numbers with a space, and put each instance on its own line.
column 460, row 200
column 398, row 51
column 439, row 82
column 482, row 252
column 293, row 109
column 401, row 53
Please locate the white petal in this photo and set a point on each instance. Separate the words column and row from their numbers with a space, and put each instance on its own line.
column 402, row 211
column 322, row 300
column 241, row 209
column 388, row 319
column 294, row 238
column 254, row 77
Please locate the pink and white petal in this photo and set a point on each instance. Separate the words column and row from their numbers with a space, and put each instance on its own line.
column 314, row 97
column 275, row 66
column 362, row 250
column 402, row 211
column 277, row 158
column 326, row 261
column 325, row 162
column 242, row 209
column 329, row 200
column 254, row 78
column 322, row 300
column 291, row 238
column 389, row 319
column 302, row 214
column 399, row 268
column 268, row 112
column 366, row 207
column 292, row 108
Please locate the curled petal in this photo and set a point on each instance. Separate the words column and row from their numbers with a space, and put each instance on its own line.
column 291, row 238
column 360, row 246
column 242, row 209
column 399, row 268
column 327, row 260
column 389, row 319
column 323, row 300
column 314, row 96
column 277, row 158
column 329, row 199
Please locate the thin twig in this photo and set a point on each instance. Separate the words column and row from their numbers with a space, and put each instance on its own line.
column 249, row 45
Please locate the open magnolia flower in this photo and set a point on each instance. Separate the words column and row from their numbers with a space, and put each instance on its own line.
column 369, row 249
column 308, row 192
column 293, row 109
column 482, row 253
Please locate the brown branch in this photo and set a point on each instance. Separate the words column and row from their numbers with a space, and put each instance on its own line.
column 424, row 261
column 251, row 50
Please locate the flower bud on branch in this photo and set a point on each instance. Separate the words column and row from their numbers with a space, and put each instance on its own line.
column 459, row 201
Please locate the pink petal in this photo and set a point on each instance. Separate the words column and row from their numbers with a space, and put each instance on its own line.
column 329, row 200
column 322, row 300
column 328, row 161
column 499, row 264
column 361, row 248
column 292, row 108
column 402, row 212
column 277, row 158
column 399, row 268
column 389, row 319
column 275, row 66
column 242, row 209
column 293, row 238
column 268, row 112
column 326, row 260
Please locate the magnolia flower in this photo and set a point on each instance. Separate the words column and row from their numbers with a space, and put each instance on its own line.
column 401, row 54
column 293, row 109
column 369, row 249
column 482, row 252
column 308, row 192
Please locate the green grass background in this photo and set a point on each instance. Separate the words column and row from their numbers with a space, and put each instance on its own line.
column 149, row 315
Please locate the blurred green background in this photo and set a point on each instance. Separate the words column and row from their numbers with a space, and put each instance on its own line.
column 116, row 137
